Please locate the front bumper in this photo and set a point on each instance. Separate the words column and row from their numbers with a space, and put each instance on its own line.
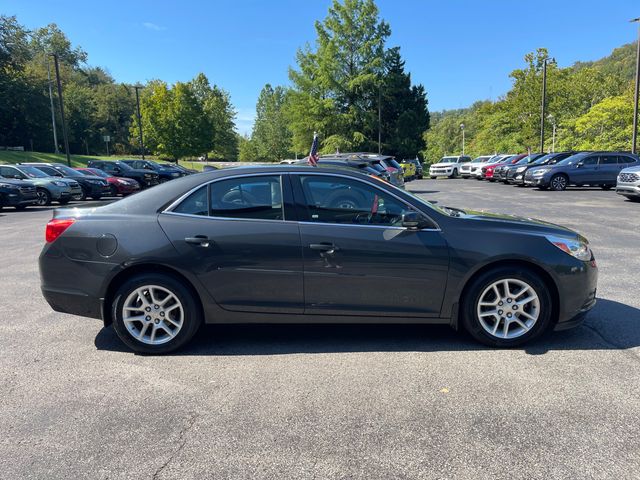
column 577, row 288
column 441, row 172
column 19, row 199
column 628, row 189
column 536, row 181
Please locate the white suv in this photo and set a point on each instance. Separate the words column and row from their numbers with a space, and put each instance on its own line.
column 629, row 183
column 469, row 169
column 448, row 166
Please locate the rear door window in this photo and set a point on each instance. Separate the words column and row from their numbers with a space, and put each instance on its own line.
column 258, row 197
column 608, row 160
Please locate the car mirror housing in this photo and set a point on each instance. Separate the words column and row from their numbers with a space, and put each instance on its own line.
column 412, row 220
column 579, row 164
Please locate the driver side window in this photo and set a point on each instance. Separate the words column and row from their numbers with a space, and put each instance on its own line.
column 347, row 201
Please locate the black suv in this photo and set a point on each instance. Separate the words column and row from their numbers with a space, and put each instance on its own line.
column 92, row 186
column 17, row 193
column 165, row 173
column 516, row 173
column 119, row 168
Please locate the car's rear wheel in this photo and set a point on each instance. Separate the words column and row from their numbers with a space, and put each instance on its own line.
column 155, row 313
column 506, row 307
column 558, row 182
column 43, row 197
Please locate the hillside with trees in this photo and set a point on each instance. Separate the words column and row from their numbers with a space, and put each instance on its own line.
column 591, row 104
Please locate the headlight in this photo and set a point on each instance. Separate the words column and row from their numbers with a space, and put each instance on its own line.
column 123, row 182
column 9, row 186
column 93, row 182
column 539, row 172
column 520, row 169
column 58, row 183
column 175, row 174
column 572, row 246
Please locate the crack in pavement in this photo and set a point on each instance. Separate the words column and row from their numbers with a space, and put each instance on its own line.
column 182, row 441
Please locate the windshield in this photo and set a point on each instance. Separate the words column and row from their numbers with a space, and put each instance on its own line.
column 572, row 159
column 123, row 166
column 96, row 171
column 448, row 160
column 33, row 172
column 66, row 170
column 378, row 166
column 543, row 159
column 393, row 163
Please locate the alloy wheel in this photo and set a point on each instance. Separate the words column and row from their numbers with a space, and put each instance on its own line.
column 559, row 182
column 153, row 314
column 508, row 308
column 42, row 199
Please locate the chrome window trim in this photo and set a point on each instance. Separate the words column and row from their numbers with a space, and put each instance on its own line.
column 169, row 210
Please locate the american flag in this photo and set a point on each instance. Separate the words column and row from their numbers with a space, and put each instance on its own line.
column 313, row 154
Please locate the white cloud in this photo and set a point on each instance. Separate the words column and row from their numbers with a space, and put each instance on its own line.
column 153, row 26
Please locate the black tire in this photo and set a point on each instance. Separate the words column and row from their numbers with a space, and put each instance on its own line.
column 64, row 201
column 454, row 174
column 558, row 182
column 80, row 197
column 606, row 187
column 192, row 312
column 96, row 197
column 469, row 316
column 433, row 178
column 114, row 190
column 20, row 207
column 43, row 197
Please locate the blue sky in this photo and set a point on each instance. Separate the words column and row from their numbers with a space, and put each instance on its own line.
column 461, row 51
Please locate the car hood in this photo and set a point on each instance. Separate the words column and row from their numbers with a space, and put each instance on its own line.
column 16, row 182
column 512, row 222
column 631, row 169
column 86, row 177
column 139, row 171
column 448, row 164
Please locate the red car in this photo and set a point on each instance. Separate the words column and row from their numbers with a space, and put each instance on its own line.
column 487, row 172
column 118, row 185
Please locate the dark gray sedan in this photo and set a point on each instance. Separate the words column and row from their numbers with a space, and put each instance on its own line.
column 288, row 244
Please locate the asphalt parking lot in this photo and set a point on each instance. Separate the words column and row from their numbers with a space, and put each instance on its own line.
column 322, row 402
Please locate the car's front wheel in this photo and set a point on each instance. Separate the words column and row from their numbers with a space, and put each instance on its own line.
column 559, row 182
column 43, row 197
column 155, row 313
column 506, row 307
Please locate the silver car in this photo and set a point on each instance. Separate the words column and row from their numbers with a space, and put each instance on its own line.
column 629, row 183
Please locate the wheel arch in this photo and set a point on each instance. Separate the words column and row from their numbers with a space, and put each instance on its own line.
column 545, row 276
column 139, row 269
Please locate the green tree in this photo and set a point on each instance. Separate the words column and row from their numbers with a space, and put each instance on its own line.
column 247, row 151
column 335, row 86
column 271, row 136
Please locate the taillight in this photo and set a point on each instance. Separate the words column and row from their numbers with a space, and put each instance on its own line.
column 56, row 227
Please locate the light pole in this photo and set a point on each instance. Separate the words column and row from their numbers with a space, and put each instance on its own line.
column 552, row 119
column 138, row 87
column 544, row 103
column 53, row 112
column 462, row 128
column 635, row 104
column 64, row 126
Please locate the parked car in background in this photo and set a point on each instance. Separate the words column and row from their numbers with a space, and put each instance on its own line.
column 378, row 162
column 164, row 173
column 488, row 172
column 516, row 173
column 146, row 178
column 297, row 244
column 448, row 166
column 48, row 189
column 92, row 186
column 584, row 168
column 419, row 168
column 479, row 174
column 409, row 170
column 469, row 169
column 502, row 173
column 628, row 183
column 182, row 168
column 118, row 185
column 18, row 194
column 366, row 167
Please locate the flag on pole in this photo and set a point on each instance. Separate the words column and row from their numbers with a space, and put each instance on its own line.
column 313, row 154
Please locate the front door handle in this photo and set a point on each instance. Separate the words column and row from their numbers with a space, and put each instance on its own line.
column 199, row 240
column 324, row 247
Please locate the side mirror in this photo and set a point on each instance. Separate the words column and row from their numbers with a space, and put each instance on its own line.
column 579, row 164
column 411, row 220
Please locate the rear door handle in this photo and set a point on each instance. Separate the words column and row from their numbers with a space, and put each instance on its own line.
column 200, row 240
column 324, row 247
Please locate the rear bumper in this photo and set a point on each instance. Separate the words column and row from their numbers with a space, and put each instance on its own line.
column 73, row 302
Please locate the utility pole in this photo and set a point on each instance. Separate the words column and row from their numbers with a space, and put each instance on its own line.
column 137, row 87
column 635, row 104
column 462, row 128
column 60, row 99
column 53, row 111
column 544, row 103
